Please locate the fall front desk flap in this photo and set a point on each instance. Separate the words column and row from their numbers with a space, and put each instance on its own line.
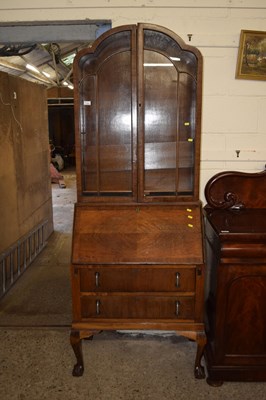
column 137, row 234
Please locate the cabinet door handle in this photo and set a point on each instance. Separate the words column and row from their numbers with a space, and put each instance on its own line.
column 177, row 308
column 98, row 303
column 97, row 277
column 177, row 279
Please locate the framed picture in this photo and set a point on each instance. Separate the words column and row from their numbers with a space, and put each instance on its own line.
column 251, row 61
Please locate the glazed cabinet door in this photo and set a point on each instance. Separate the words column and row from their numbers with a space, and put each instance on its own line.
column 138, row 101
column 168, row 117
column 107, row 120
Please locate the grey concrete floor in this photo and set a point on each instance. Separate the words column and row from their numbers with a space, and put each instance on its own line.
column 36, row 359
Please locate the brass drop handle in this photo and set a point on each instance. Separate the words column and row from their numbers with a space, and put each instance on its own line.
column 177, row 279
column 98, row 303
column 97, row 277
column 177, row 308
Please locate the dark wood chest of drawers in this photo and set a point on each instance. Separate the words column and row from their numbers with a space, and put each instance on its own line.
column 236, row 278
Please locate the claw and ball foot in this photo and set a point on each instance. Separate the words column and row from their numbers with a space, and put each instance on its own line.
column 199, row 372
column 78, row 370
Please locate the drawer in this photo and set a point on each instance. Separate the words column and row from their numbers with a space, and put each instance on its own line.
column 243, row 250
column 137, row 279
column 137, row 307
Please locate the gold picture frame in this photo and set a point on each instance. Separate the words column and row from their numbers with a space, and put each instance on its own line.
column 251, row 61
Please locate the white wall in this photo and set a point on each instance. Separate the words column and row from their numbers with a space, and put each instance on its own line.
column 234, row 110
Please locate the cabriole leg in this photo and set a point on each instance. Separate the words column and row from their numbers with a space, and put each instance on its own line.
column 75, row 341
column 199, row 369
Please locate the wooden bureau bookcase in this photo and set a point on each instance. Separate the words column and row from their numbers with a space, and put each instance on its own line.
column 137, row 256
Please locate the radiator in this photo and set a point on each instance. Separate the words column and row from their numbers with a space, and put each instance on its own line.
column 15, row 260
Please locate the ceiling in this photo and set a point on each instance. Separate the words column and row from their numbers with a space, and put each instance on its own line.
column 47, row 46
column 53, row 61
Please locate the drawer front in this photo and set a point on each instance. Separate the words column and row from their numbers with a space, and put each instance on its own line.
column 243, row 250
column 137, row 307
column 137, row 279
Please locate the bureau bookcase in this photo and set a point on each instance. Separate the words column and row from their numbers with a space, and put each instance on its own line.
column 137, row 253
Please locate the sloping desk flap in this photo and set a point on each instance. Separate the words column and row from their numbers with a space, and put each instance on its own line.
column 150, row 234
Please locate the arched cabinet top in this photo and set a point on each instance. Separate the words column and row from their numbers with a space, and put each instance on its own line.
column 133, row 29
